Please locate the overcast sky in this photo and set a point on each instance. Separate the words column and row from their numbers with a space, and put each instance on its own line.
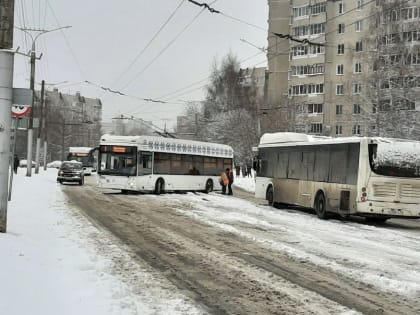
column 106, row 36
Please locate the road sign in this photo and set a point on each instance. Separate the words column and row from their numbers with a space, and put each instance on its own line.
column 20, row 111
column 21, row 102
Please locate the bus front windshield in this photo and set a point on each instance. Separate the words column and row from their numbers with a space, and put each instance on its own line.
column 118, row 160
column 85, row 160
column 395, row 158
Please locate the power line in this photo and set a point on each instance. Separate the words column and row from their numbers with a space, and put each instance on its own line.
column 165, row 48
column 205, row 5
column 124, row 94
column 24, row 24
column 67, row 42
column 148, row 44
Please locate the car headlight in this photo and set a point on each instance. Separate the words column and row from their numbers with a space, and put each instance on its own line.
column 60, row 173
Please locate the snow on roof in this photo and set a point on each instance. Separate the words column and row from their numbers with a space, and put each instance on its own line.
column 293, row 138
column 161, row 144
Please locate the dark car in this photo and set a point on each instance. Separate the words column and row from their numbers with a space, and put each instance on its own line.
column 71, row 171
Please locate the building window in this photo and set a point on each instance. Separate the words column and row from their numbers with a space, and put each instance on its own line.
column 299, row 50
column 340, row 49
column 316, row 49
column 314, row 69
column 356, row 130
column 410, row 13
column 339, row 89
column 316, row 128
column 356, row 109
column 338, row 130
column 359, row 5
column 318, row 8
column 385, row 105
column 357, row 88
column 317, row 28
column 359, row 26
column 341, row 8
column 359, row 46
column 315, row 108
column 301, row 11
column 315, row 88
column 340, row 69
column 338, row 109
column 358, row 67
column 341, row 28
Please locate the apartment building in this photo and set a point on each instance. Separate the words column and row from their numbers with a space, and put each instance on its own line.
column 344, row 68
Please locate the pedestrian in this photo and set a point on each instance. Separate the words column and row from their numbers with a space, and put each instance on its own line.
column 229, row 174
column 243, row 171
column 15, row 163
column 238, row 170
column 249, row 170
column 224, row 181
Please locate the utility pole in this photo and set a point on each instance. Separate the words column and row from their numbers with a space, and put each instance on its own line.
column 31, row 114
column 45, row 133
column 6, row 91
column 38, row 139
column 32, row 87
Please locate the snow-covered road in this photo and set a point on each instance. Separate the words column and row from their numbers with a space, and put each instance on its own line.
column 385, row 258
column 57, row 261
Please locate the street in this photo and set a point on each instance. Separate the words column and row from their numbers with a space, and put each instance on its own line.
column 235, row 255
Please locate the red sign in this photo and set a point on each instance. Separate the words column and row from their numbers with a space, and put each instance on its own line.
column 20, row 111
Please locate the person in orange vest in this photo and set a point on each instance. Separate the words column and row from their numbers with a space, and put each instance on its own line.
column 224, row 181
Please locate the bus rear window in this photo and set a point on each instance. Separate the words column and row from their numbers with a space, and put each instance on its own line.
column 396, row 159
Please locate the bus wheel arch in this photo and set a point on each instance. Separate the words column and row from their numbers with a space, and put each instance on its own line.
column 320, row 204
column 209, row 186
column 159, row 186
column 269, row 195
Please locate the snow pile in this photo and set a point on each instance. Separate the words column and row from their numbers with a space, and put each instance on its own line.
column 245, row 183
column 54, row 261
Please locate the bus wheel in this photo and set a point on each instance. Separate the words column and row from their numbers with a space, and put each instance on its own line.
column 320, row 206
column 270, row 196
column 209, row 186
column 159, row 187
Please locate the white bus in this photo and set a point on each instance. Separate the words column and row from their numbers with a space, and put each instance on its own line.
column 376, row 178
column 158, row 164
column 83, row 155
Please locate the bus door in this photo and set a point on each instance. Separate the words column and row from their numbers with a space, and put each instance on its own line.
column 306, row 183
column 144, row 168
column 145, row 163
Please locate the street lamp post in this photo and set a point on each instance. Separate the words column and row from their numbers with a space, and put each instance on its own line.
column 32, row 87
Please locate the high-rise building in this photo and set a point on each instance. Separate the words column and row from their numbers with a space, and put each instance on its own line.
column 344, row 68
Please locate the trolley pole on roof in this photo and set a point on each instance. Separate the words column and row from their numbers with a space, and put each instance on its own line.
column 6, row 92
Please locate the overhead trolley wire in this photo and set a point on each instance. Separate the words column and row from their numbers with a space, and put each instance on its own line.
column 67, row 41
column 149, row 43
column 165, row 48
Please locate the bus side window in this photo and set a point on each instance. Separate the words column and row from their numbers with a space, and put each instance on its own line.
column 145, row 163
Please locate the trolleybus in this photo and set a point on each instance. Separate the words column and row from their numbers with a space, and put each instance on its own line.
column 376, row 178
column 158, row 164
column 85, row 156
